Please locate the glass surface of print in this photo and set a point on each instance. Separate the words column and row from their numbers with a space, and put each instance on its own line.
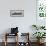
column 41, row 8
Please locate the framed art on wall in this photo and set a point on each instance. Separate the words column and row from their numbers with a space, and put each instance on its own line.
column 41, row 8
column 17, row 13
column 41, row 12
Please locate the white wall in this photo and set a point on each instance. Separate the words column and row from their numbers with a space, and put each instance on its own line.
column 24, row 23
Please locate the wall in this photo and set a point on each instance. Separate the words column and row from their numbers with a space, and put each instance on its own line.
column 24, row 23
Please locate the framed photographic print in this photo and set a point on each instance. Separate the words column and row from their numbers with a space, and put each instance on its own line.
column 17, row 13
column 41, row 12
column 41, row 8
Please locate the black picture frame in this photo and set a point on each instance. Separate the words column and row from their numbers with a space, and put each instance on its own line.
column 17, row 13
